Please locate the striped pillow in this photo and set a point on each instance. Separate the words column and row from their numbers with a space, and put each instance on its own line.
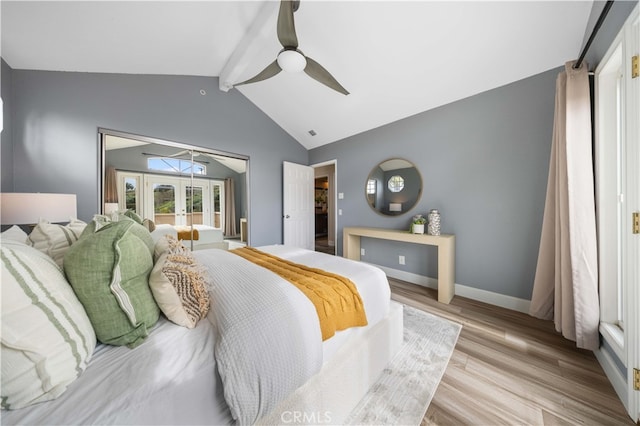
column 54, row 240
column 47, row 339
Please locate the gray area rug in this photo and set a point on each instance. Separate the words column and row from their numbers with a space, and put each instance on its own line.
column 402, row 394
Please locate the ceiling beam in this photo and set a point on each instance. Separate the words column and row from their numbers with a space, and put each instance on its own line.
column 247, row 49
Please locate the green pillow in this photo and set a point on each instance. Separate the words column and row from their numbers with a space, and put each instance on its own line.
column 133, row 215
column 109, row 271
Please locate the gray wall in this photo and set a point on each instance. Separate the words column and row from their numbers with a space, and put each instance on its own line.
column 6, row 143
column 484, row 163
column 56, row 116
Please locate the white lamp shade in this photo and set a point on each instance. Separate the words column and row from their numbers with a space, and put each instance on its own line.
column 395, row 207
column 292, row 61
column 19, row 208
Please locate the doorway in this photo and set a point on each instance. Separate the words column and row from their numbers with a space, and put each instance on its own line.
column 325, row 207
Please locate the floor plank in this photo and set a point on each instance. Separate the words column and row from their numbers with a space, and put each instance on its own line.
column 510, row 368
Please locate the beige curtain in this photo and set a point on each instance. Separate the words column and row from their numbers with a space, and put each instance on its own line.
column 110, row 185
column 566, row 283
column 230, row 229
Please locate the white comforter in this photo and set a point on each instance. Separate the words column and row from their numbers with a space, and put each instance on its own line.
column 269, row 341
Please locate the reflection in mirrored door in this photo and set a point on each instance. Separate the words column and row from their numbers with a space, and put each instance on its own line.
column 179, row 200
column 174, row 184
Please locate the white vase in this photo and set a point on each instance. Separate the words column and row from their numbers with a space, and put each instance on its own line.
column 417, row 228
column 434, row 222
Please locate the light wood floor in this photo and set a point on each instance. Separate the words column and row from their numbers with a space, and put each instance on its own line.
column 510, row 368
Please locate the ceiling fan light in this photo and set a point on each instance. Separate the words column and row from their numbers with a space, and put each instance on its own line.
column 292, row 61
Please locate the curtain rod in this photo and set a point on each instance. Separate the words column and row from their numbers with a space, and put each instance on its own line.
column 603, row 15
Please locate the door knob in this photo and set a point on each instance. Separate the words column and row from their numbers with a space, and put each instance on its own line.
column 287, row 217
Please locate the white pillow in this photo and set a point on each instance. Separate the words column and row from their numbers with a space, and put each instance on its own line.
column 54, row 240
column 15, row 233
column 47, row 339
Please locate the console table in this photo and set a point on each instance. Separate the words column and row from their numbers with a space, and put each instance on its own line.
column 446, row 244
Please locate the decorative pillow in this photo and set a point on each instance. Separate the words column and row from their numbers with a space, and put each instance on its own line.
column 109, row 271
column 15, row 233
column 54, row 240
column 47, row 338
column 100, row 220
column 133, row 215
column 179, row 287
column 149, row 224
column 167, row 243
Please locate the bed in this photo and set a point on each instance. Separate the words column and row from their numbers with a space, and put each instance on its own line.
column 179, row 375
column 204, row 236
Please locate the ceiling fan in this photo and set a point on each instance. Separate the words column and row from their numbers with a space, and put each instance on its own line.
column 290, row 58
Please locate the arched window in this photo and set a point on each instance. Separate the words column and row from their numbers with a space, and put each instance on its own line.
column 176, row 166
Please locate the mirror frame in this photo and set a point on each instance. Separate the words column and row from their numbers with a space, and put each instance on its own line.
column 418, row 195
column 102, row 132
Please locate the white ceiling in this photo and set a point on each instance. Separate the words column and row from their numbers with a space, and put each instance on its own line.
column 396, row 58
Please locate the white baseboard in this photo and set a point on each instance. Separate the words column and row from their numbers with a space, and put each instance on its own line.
column 618, row 382
column 496, row 299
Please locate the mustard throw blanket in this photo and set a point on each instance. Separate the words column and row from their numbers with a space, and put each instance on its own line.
column 335, row 297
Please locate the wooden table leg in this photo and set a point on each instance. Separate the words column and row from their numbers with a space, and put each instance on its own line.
column 446, row 270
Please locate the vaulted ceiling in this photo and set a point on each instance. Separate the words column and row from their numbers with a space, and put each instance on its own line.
column 396, row 58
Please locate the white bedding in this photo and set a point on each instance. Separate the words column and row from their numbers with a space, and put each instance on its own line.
column 268, row 343
column 172, row 378
column 371, row 282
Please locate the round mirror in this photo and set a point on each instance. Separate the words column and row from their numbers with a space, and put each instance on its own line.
column 393, row 187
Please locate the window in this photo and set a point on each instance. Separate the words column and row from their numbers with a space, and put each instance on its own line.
column 396, row 183
column 371, row 186
column 611, row 187
column 131, row 193
column 164, row 203
column 176, row 166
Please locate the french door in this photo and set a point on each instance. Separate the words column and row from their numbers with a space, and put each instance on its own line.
column 178, row 201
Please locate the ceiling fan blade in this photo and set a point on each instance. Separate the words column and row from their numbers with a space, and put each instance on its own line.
column 317, row 72
column 286, row 26
column 271, row 70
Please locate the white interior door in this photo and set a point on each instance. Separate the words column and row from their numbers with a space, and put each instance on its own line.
column 298, row 206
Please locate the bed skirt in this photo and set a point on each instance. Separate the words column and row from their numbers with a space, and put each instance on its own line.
column 331, row 395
